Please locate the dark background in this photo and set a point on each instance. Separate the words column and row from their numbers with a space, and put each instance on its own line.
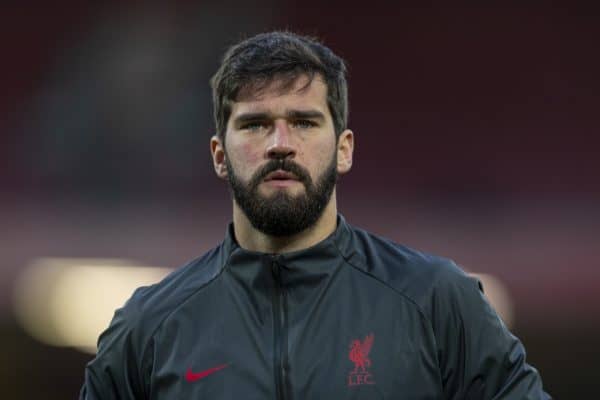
column 477, row 130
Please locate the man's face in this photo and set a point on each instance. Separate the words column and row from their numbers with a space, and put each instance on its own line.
column 280, row 155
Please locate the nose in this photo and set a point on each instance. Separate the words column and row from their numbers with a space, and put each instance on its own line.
column 281, row 145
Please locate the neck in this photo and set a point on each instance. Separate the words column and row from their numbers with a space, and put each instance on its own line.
column 252, row 239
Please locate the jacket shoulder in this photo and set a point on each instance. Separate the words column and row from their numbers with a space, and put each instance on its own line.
column 155, row 302
column 419, row 276
column 149, row 306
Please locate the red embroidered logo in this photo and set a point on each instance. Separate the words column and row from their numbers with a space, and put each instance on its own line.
column 194, row 376
column 359, row 355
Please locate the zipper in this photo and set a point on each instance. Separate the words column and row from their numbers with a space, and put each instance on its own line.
column 280, row 325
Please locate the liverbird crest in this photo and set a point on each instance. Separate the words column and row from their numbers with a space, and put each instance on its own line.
column 359, row 353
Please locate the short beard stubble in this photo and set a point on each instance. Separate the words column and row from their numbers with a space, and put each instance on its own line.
column 282, row 215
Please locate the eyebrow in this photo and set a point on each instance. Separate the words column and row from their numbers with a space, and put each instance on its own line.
column 309, row 114
column 292, row 114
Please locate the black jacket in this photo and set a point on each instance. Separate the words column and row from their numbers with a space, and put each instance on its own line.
column 353, row 317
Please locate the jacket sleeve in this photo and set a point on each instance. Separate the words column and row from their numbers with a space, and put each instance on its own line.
column 480, row 359
column 121, row 366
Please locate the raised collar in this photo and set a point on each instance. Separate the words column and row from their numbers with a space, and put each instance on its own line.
column 299, row 272
column 304, row 275
column 339, row 242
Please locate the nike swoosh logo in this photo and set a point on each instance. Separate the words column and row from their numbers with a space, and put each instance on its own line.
column 194, row 376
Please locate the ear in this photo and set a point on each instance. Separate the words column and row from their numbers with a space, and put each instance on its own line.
column 345, row 149
column 217, row 150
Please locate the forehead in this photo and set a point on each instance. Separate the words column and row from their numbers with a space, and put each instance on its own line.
column 303, row 93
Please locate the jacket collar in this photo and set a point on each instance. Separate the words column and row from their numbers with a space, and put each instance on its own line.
column 339, row 243
column 298, row 269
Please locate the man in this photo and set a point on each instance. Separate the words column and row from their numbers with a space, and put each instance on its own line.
column 295, row 303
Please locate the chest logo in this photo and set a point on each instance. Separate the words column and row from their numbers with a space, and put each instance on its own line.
column 359, row 355
column 194, row 376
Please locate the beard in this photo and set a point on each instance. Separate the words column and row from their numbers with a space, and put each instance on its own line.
column 282, row 214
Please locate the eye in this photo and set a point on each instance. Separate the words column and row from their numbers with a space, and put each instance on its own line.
column 254, row 126
column 304, row 124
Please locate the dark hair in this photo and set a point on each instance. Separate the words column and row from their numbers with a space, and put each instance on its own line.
column 256, row 62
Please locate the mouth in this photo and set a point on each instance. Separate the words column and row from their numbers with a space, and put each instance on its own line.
column 281, row 178
column 280, row 175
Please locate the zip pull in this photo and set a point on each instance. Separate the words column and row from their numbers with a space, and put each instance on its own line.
column 276, row 268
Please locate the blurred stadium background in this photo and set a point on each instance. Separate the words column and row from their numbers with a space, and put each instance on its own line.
column 477, row 138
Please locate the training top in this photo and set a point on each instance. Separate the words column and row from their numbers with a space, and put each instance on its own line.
column 352, row 317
